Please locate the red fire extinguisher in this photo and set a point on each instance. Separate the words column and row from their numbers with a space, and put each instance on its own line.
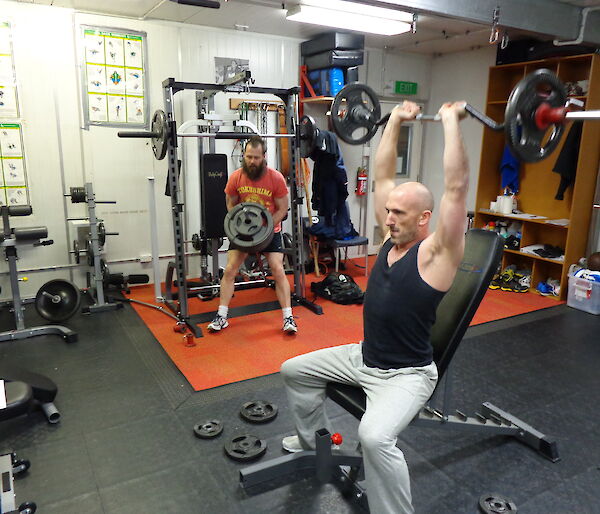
column 362, row 181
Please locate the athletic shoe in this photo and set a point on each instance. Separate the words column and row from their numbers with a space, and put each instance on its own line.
column 554, row 286
column 218, row 323
column 520, row 284
column 289, row 325
column 496, row 282
column 292, row 444
column 507, row 277
column 544, row 289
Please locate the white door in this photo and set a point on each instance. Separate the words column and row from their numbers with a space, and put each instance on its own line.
column 408, row 167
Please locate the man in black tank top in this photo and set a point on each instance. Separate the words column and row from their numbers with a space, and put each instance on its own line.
column 393, row 363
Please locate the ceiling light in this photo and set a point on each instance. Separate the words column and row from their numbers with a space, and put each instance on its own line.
column 352, row 16
column 213, row 4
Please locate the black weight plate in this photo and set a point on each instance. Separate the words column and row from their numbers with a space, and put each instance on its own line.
column 208, row 429
column 355, row 112
column 258, row 411
column 245, row 447
column 76, row 251
column 524, row 138
column 496, row 504
column 101, row 233
column 196, row 242
column 249, row 227
column 159, row 126
column 104, row 268
column 78, row 195
column 65, row 292
column 308, row 135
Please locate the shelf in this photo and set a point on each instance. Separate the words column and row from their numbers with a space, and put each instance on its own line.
column 317, row 99
column 517, row 218
column 534, row 256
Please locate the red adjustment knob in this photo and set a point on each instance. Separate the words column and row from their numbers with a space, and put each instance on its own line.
column 337, row 438
column 188, row 340
column 179, row 327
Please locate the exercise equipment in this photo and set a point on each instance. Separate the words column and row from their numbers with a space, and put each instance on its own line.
column 258, row 411
column 93, row 249
column 10, row 240
column 165, row 133
column 483, row 252
column 536, row 104
column 496, row 504
column 249, row 227
column 57, row 300
column 308, row 135
column 244, row 448
column 8, row 503
column 208, row 429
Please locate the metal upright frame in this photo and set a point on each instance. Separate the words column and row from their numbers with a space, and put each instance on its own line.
column 290, row 98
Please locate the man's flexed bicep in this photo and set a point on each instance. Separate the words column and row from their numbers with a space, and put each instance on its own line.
column 387, row 156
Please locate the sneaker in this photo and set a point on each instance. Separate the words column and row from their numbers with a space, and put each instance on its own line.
column 218, row 323
column 554, row 286
column 496, row 282
column 521, row 283
column 544, row 289
column 292, row 444
column 289, row 325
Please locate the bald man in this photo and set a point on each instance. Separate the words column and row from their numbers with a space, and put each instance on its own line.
column 394, row 362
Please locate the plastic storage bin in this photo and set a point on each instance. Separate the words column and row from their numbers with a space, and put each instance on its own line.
column 584, row 295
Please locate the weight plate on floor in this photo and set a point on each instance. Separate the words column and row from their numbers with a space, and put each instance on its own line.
column 57, row 300
column 245, row 447
column 496, row 504
column 258, row 411
column 208, row 429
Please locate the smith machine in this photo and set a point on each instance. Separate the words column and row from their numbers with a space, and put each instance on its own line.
column 213, row 168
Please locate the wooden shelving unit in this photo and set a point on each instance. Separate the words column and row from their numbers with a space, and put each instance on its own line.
column 538, row 183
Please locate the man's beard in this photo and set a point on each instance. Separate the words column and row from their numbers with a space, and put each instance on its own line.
column 254, row 172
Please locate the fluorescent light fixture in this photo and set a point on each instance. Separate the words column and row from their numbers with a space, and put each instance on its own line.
column 352, row 16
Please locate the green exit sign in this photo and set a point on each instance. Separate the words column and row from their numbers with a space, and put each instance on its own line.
column 405, row 88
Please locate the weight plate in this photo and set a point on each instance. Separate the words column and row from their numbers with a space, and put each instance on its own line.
column 249, row 227
column 496, row 504
column 526, row 141
column 101, row 233
column 246, row 447
column 57, row 300
column 90, row 252
column 308, row 135
column 196, row 242
column 77, row 194
column 76, row 251
column 355, row 112
column 104, row 268
column 208, row 429
column 159, row 126
column 258, row 411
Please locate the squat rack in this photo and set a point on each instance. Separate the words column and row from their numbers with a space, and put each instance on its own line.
column 290, row 98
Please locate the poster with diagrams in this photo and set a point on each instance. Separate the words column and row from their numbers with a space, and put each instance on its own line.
column 114, row 77
column 9, row 108
column 13, row 179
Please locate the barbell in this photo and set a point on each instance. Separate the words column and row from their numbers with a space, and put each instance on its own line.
column 536, row 104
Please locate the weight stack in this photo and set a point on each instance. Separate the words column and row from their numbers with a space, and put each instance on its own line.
column 213, row 180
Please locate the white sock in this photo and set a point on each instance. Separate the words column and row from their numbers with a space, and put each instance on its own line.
column 223, row 311
column 287, row 312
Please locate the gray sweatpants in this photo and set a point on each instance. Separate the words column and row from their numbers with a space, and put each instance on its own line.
column 394, row 398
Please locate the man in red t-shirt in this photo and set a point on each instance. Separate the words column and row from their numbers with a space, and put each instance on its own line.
column 256, row 182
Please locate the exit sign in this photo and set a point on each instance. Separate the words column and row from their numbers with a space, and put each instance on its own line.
column 405, row 88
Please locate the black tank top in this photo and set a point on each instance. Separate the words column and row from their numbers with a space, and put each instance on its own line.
column 399, row 311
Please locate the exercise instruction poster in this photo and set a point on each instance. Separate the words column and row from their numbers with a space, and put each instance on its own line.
column 114, row 74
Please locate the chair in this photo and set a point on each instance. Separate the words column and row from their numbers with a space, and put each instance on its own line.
column 483, row 251
column 338, row 244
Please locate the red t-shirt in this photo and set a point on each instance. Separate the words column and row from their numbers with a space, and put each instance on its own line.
column 269, row 186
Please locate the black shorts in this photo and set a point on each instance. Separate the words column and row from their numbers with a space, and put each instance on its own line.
column 274, row 246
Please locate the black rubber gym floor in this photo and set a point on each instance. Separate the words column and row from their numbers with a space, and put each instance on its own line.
column 125, row 442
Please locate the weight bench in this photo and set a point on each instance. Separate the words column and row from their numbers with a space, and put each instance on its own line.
column 483, row 251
